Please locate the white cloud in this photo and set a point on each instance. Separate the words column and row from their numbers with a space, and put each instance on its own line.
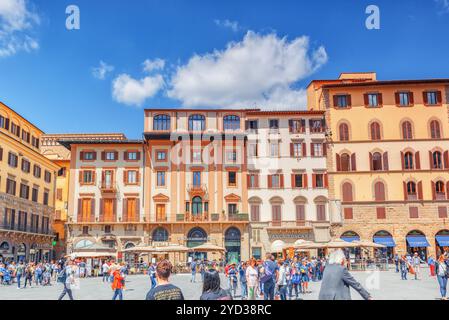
column 131, row 91
column 16, row 24
column 261, row 71
column 444, row 4
column 101, row 71
column 152, row 65
column 233, row 25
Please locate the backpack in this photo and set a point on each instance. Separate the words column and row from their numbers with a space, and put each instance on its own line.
column 268, row 273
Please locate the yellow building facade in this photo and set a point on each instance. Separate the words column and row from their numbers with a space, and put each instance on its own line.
column 27, row 190
column 388, row 160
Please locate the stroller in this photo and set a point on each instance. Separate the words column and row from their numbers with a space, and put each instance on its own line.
column 7, row 280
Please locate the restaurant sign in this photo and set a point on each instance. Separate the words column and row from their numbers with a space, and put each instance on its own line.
column 290, row 235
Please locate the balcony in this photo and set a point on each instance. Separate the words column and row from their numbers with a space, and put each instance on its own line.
column 108, row 187
column 238, row 217
column 26, row 229
column 197, row 189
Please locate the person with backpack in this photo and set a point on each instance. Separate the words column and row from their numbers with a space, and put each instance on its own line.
column 29, row 272
column 243, row 281
column 20, row 270
column 118, row 283
column 211, row 287
column 269, row 276
column 193, row 269
column 442, row 273
column 296, row 283
column 282, row 280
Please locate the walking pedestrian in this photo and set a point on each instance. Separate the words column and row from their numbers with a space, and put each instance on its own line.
column 20, row 270
column 67, row 278
column 232, row 273
column 416, row 264
column 282, row 280
column 396, row 262
column 442, row 272
column 431, row 264
column 118, row 284
column 193, row 269
column 404, row 267
column 252, row 279
column 243, row 280
column 337, row 280
column 269, row 276
column 105, row 271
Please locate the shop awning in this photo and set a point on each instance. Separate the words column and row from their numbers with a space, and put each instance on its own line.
column 350, row 239
column 417, row 241
column 386, row 241
column 443, row 241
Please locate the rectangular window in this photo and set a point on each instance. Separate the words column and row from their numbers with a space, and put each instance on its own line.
column 26, row 166
column 431, row 98
column 89, row 156
column 59, row 194
column 296, row 126
column 300, row 212
column 24, row 191
column 231, row 156
column 232, row 208
column 252, row 149
column 196, row 156
column 15, row 129
column 317, row 149
column 2, row 122
column 187, row 206
column 161, row 178
column 342, row 101
column 442, row 212
column 131, row 177
column 381, row 213
column 45, row 198
column 47, row 176
column 297, row 150
column 253, row 181
column 274, row 124
column 37, row 171
column 348, row 215
column 275, row 181
column 25, row 136
column 321, row 212
column 413, row 211
column 319, row 180
column 132, row 155
column 161, row 156
column 10, row 187
column 110, row 156
column 196, row 178
column 12, row 160
column 257, row 253
column 373, row 100
column 35, row 142
column 298, row 181
column 252, row 126
column 274, row 149
column 316, row 125
column 34, row 194
column 232, row 178
column 88, row 176
column 404, row 99
column 255, row 215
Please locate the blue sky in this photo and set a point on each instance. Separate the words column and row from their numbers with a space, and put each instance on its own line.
column 200, row 53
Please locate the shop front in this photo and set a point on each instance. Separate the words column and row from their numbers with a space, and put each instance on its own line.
column 352, row 253
column 281, row 237
column 233, row 245
column 196, row 237
column 386, row 239
column 417, row 243
column 442, row 242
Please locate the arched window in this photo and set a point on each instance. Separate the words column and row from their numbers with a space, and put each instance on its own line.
column 345, row 162
column 197, row 122
column 407, row 133
column 375, row 131
column 347, row 192
column 379, row 191
column 437, row 162
column 343, row 130
column 231, row 122
column 197, row 206
column 439, row 188
column 377, row 161
column 408, row 161
column 161, row 122
column 435, row 132
column 160, row 234
column 411, row 189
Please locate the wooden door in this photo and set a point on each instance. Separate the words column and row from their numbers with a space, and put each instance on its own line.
column 160, row 212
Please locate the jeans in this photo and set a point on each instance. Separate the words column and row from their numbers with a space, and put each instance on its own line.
column 283, row 292
column 404, row 274
column 397, row 266
column 244, row 289
column 153, row 282
column 118, row 293
column 297, row 288
column 193, row 277
column 105, row 276
column 29, row 280
column 268, row 290
column 442, row 281
column 18, row 277
column 67, row 291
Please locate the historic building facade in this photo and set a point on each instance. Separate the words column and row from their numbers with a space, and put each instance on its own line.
column 196, row 179
column 388, row 161
column 287, row 179
column 27, row 190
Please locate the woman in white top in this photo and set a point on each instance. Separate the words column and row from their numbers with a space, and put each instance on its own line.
column 252, row 279
column 442, row 271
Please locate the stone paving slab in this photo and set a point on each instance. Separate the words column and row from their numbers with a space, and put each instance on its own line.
column 385, row 285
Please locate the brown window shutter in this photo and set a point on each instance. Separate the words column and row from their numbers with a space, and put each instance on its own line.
column 248, row 181
column 137, row 214
column 138, row 156
column 396, row 98
column 95, row 155
column 404, row 185
column 446, row 159
column 291, row 150
column 442, row 212
column 303, row 125
column 1, row 154
column 411, row 98
column 304, row 181
column 348, row 214
column 281, row 180
column 371, row 161
column 335, row 100
column 102, row 177
column 324, row 149
column 353, row 162
column 7, row 124
column 385, row 161
column 312, row 150
column 81, row 155
column 381, row 214
column 125, row 217
column 103, row 155
column 326, row 180
column 101, row 210
column 413, row 212
column 125, row 176
column 434, row 194
column 447, row 190
column 94, row 177
column 313, row 180
column 439, row 97
column 304, row 150
column 430, row 160
column 424, row 98
column 365, row 99
column 125, row 155
column 115, row 155
column 337, row 162
column 290, row 125
column 80, row 210
column 293, row 180
column 420, row 194
column 402, row 161
column 92, row 210
column 349, row 100
column 417, row 161
column 257, row 180
column 380, row 99
column 269, row 181
column 80, row 177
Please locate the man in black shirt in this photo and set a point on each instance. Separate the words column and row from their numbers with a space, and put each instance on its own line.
column 164, row 289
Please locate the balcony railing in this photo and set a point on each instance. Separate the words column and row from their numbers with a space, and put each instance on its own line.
column 26, row 229
column 108, row 186
column 197, row 188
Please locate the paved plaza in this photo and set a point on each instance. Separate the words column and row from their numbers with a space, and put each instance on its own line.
column 385, row 285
